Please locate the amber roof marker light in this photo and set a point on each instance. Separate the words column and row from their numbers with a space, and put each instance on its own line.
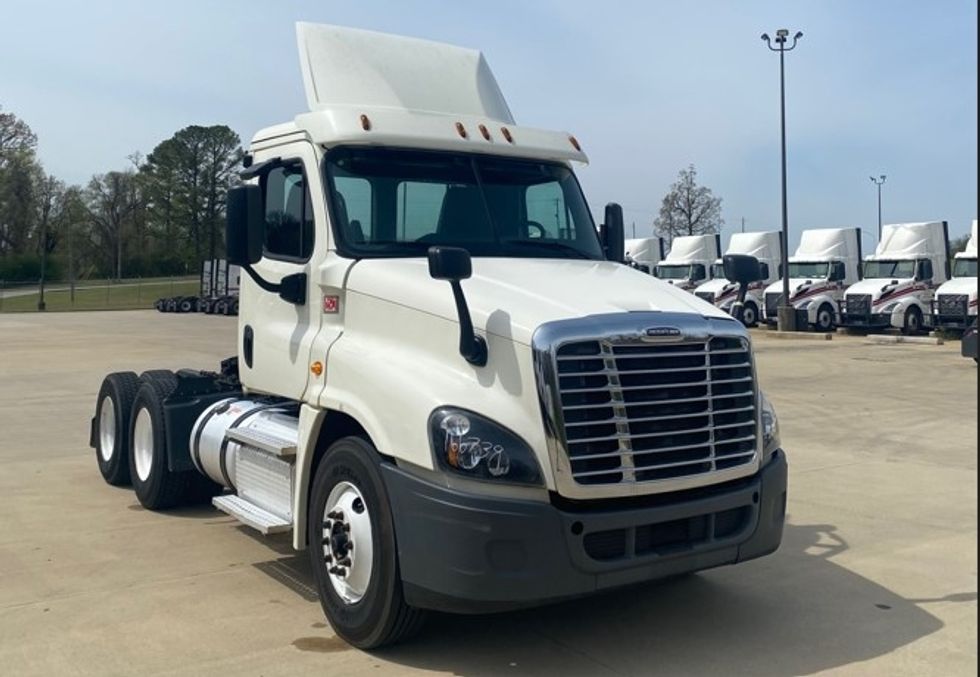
column 485, row 132
column 507, row 134
column 365, row 123
column 461, row 130
column 574, row 143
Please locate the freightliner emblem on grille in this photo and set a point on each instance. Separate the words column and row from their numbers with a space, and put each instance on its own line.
column 654, row 334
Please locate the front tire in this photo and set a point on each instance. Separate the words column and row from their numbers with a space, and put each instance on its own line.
column 750, row 315
column 353, row 554
column 825, row 318
column 113, row 408
column 913, row 321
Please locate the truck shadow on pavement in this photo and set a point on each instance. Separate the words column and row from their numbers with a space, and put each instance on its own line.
column 796, row 612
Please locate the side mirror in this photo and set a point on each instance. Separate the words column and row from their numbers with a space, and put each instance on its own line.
column 453, row 264
column 613, row 234
column 450, row 263
column 245, row 225
column 742, row 269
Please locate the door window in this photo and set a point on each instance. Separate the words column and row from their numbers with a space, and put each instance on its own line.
column 288, row 214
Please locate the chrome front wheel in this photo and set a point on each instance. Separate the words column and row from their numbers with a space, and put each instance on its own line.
column 348, row 544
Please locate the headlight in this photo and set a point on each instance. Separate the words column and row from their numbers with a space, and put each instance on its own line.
column 890, row 307
column 770, row 429
column 475, row 447
column 806, row 304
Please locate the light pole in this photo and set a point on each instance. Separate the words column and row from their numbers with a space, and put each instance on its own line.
column 787, row 315
column 880, row 180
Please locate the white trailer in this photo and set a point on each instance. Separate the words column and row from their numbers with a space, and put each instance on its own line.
column 826, row 263
column 448, row 389
column 900, row 278
column 644, row 253
column 955, row 305
column 765, row 246
column 689, row 261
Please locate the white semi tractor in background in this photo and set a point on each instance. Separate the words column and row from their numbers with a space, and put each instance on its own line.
column 764, row 246
column 644, row 253
column 689, row 261
column 827, row 262
column 900, row 278
column 449, row 391
column 955, row 305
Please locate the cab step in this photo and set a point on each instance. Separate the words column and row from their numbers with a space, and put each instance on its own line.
column 263, row 441
column 251, row 515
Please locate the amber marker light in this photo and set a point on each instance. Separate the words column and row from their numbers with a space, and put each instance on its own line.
column 485, row 132
column 507, row 134
column 365, row 123
column 460, row 129
column 316, row 368
column 574, row 143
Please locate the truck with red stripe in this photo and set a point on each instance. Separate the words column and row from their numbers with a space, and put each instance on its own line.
column 900, row 278
column 644, row 253
column 766, row 247
column 826, row 263
column 955, row 305
column 689, row 261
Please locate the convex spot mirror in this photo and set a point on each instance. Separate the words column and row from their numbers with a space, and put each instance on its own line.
column 742, row 269
column 450, row 263
column 245, row 225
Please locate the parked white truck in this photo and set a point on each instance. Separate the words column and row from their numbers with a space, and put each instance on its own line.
column 900, row 278
column 955, row 305
column 451, row 393
column 644, row 253
column 689, row 261
column 765, row 247
column 826, row 263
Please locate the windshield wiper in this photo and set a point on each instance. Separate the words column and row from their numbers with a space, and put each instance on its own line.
column 558, row 246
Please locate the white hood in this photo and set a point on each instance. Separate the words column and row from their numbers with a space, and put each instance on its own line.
column 794, row 284
column 513, row 297
column 959, row 285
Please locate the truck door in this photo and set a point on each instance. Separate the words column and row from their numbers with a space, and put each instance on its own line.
column 275, row 334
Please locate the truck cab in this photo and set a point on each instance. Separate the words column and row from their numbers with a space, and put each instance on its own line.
column 826, row 263
column 644, row 253
column 448, row 388
column 764, row 246
column 900, row 278
column 689, row 261
column 955, row 305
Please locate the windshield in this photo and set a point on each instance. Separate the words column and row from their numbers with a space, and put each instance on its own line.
column 964, row 268
column 889, row 269
column 666, row 271
column 389, row 202
column 811, row 270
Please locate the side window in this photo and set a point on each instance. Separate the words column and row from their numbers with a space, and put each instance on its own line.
column 418, row 205
column 764, row 269
column 546, row 207
column 837, row 271
column 288, row 214
column 354, row 208
column 925, row 269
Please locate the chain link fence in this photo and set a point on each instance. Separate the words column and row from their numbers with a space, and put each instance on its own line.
column 134, row 293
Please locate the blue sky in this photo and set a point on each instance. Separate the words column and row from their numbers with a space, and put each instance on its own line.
column 648, row 87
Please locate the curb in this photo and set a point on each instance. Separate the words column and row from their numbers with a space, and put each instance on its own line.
column 920, row 340
column 797, row 335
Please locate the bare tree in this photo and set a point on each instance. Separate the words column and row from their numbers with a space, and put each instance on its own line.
column 688, row 208
column 16, row 137
column 114, row 200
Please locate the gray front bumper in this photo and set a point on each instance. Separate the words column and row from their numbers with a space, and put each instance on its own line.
column 467, row 553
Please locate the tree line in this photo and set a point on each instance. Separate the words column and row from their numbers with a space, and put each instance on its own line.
column 161, row 215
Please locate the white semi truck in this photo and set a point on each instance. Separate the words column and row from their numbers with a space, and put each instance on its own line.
column 955, row 305
column 452, row 394
column 764, row 246
column 826, row 263
column 644, row 253
column 689, row 261
column 900, row 278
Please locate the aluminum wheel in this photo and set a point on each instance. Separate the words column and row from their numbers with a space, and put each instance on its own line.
column 348, row 544
column 107, row 428
column 143, row 444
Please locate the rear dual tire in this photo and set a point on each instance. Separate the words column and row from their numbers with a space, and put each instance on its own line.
column 113, row 409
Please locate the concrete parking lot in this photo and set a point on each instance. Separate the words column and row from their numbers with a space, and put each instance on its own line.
column 877, row 573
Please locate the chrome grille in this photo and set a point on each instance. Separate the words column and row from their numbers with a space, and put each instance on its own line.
column 633, row 411
column 954, row 305
column 773, row 300
column 858, row 304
